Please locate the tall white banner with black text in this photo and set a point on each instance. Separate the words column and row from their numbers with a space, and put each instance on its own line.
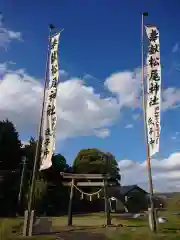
column 153, row 105
column 50, row 118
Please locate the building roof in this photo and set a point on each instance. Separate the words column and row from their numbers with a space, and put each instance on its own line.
column 125, row 189
column 120, row 191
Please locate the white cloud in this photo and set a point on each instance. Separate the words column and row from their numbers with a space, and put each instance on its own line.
column 89, row 77
column 171, row 98
column 175, row 48
column 126, row 86
column 135, row 116
column 3, row 67
column 102, row 133
column 175, row 136
column 80, row 110
column 129, row 126
column 63, row 74
column 166, row 173
column 7, row 35
column 24, row 143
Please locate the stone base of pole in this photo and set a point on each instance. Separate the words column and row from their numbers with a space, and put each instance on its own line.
column 152, row 217
column 31, row 223
column 28, row 228
column 25, row 223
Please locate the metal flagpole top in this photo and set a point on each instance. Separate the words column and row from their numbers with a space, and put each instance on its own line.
column 51, row 27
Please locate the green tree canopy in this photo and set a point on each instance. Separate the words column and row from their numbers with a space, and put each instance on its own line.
column 10, row 146
column 95, row 161
column 29, row 152
column 59, row 162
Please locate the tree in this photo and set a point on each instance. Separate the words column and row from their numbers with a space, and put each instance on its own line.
column 59, row 162
column 95, row 161
column 10, row 146
column 57, row 196
column 10, row 159
column 58, row 165
column 29, row 151
column 9, row 192
column 49, row 191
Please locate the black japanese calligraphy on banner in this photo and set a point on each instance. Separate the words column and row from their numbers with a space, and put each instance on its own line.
column 157, row 123
column 48, row 132
column 52, row 94
column 153, row 49
column 153, row 35
column 54, row 69
column 53, row 57
column 54, row 43
column 153, row 101
column 154, row 75
column 153, row 61
column 54, row 83
column 50, row 118
column 150, row 121
column 153, row 89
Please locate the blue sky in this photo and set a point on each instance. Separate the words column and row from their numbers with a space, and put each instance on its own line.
column 100, row 38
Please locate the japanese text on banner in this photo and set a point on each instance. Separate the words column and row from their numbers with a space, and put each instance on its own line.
column 50, row 118
column 153, row 90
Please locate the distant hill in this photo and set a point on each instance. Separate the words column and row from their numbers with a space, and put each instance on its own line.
column 166, row 195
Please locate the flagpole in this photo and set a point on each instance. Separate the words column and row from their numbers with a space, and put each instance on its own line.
column 38, row 145
column 154, row 228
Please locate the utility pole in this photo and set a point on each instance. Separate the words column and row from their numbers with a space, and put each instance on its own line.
column 24, row 160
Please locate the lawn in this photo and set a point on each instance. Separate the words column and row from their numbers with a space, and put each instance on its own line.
column 92, row 226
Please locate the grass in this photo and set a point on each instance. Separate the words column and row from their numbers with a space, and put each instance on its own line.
column 143, row 234
column 7, row 226
column 92, row 226
column 173, row 221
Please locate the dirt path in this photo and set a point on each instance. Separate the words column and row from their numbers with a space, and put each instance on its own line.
column 81, row 236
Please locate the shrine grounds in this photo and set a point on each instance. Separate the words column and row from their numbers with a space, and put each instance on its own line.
column 92, row 226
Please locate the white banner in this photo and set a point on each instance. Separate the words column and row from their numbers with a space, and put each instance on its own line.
column 153, row 90
column 50, row 118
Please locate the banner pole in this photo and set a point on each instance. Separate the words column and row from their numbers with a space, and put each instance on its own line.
column 38, row 145
column 153, row 220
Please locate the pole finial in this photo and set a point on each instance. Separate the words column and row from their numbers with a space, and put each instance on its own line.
column 51, row 26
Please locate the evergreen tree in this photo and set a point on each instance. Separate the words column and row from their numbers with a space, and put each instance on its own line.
column 10, row 146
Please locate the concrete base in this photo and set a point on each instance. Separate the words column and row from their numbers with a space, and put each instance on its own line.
column 25, row 223
column 27, row 227
column 153, row 223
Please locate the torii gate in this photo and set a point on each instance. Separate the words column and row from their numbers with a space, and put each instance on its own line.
column 86, row 183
